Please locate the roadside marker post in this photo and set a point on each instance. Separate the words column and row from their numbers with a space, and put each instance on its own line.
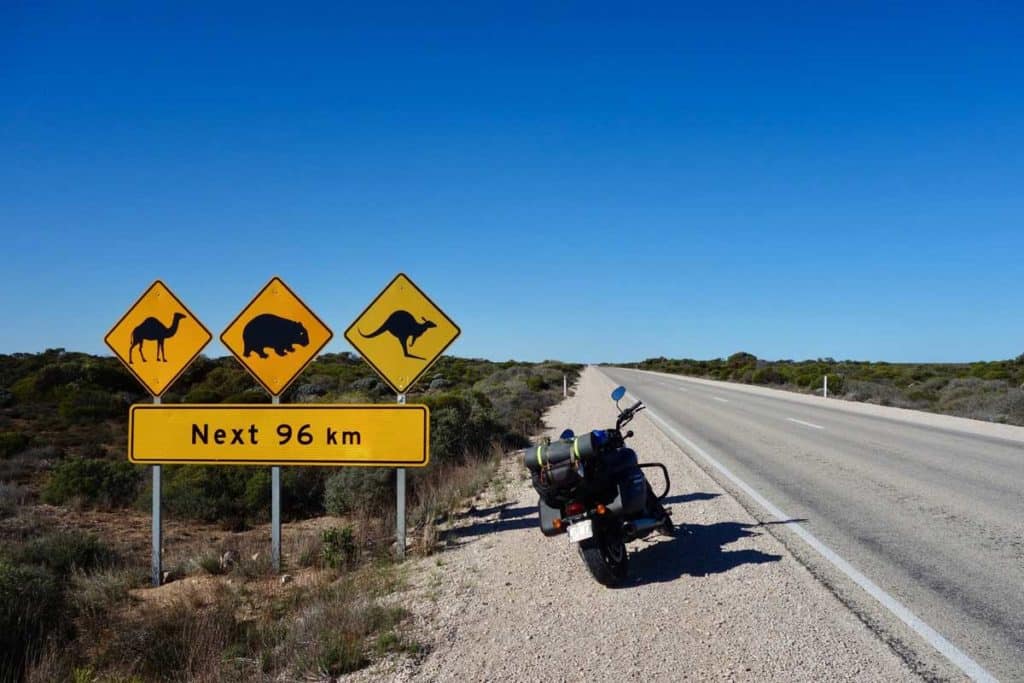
column 185, row 336
column 275, row 337
column 400, row 334
column 825, row 391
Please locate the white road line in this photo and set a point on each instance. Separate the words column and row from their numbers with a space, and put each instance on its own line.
column 933, row 637
column 805, row 424
column 719, row 398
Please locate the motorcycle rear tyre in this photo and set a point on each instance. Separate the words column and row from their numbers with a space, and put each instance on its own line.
column 606, row 558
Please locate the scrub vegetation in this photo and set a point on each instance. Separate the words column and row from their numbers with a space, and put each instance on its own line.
column 987, row 390
column 73, row 515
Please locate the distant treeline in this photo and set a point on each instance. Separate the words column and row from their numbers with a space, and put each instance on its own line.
column 63, row 429
column 986, row 390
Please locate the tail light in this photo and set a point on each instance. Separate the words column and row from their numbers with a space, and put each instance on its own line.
column 575, row 508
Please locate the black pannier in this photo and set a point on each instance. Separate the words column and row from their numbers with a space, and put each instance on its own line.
column 630, row 483
column 553, row 466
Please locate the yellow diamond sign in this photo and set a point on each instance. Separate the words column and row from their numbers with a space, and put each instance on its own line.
column 276, row 336
column 401, row 333
column 157, row 338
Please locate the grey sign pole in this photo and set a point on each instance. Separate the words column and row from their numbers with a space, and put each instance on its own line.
column 400, row 509
column 157, row 522
column 275, row 509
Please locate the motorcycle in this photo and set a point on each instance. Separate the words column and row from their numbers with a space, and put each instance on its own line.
column 592, row 488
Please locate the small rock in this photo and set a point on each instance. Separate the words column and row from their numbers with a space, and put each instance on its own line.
column 286, row 578
column 228, row 560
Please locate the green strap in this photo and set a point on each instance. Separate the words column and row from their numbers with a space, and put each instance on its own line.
column 540, row 456
column 576, row 448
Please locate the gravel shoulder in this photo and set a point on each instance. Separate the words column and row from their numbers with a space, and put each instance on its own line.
column 724, row 600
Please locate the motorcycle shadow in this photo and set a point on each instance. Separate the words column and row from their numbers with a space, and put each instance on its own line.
column 509, row 518
column 695, row 550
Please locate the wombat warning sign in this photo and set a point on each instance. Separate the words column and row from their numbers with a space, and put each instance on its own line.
column 276, row 336
column 401, row 333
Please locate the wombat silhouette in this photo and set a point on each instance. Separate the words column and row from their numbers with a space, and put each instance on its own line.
column 270, row 331
column 403, row 327
column 154, row 330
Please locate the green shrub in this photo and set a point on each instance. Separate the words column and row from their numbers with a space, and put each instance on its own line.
column 104, row 483
column 83, row 404
column 63, row 551
column 536, row 383
column 767, row 375
column 352, row 489
column 338, row 548
column 218, row 494
column 31, row 608
column 12, row 443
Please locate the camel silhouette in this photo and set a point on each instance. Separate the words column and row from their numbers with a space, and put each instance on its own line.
column 154, row 330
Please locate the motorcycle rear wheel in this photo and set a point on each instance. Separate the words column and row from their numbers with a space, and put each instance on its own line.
column 606, row 557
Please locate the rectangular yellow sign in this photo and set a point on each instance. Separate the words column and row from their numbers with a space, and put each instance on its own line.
column 320, row 434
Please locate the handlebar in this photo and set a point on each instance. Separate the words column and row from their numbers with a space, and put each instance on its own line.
column 626, row 415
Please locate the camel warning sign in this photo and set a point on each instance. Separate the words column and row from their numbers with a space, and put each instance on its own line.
column 276, row 336
column 157, row 338
column 401, row 333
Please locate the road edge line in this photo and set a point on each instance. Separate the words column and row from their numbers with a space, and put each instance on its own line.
column 950, row 651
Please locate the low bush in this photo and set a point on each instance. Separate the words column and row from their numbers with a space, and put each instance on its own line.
column 179, row 641
column 12, row 497
column 338, row 548
column 352, row 489
column 100, row 483
column 12, row 443
column 65, row 551
column 31, row 609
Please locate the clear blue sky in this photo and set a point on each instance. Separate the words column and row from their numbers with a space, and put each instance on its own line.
column 567, row 180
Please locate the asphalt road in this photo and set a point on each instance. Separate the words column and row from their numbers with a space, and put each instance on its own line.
column 932, row 514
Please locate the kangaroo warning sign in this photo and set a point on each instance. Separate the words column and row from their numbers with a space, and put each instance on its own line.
column 276, row 336
column 157, row 338
column 401, row 333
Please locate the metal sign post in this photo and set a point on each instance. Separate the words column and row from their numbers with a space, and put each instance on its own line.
column 400, row 501
column 158, row 535
column 275, row 509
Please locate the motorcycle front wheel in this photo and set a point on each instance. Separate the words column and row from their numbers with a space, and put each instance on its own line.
column 606, row 557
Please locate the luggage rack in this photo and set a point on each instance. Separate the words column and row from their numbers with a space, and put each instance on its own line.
column 664, row 471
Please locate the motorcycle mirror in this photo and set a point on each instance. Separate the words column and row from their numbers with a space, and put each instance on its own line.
column 567, row 434
column 618, row 393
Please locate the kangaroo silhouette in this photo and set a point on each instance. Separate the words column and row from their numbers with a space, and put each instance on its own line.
column 403, row 327
column 154, row 330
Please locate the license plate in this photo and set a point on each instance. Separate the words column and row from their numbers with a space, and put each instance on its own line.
column 581, row 531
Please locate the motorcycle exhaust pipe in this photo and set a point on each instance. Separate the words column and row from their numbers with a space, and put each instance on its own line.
column 641, row 527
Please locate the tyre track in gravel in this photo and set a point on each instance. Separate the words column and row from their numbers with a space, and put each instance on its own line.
column 724, row 600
